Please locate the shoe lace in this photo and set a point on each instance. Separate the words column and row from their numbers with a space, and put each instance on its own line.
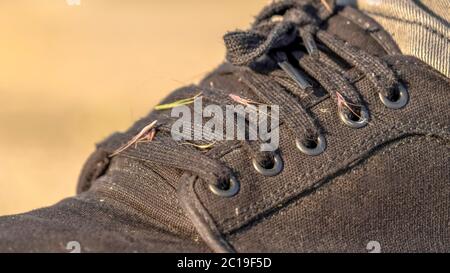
column 282, row 32
column 279, row 34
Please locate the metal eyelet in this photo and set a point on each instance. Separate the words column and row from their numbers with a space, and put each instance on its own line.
column 233, row 188
column 276, row 169
column 361, row 122
column 402, row 100
column 320, row 146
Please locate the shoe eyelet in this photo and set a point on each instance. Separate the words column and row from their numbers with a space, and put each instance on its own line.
column 233, row 189
column 362, row 121
column 400, row 102
column 320, row 146
column 276, row 169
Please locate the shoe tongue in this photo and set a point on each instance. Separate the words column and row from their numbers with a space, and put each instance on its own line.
column 361, row 31
column 348, row 24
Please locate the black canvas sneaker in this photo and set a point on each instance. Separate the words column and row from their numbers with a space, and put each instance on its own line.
column 361, row 163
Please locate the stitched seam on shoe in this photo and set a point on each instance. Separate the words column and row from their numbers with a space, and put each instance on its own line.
column 396, row 130
column 377, row 35
column 235, row 233
column 417, row 62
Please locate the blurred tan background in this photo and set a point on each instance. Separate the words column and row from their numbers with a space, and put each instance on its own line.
column 70, row 75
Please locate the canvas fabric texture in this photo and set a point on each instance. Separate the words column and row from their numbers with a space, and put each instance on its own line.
column 386, row 182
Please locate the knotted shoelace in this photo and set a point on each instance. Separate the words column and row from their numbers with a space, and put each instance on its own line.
column 283, row 32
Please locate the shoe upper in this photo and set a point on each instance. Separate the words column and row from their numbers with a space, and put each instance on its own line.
column 378, row 169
